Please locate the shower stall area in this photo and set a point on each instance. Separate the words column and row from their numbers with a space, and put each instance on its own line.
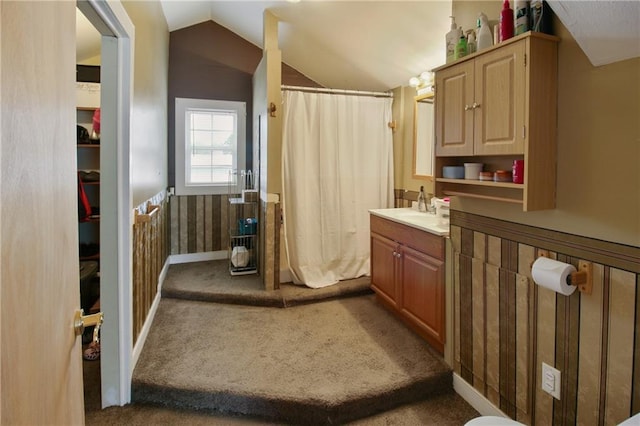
column 337, row 163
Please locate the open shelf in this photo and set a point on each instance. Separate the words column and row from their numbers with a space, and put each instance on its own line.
column 482, row 183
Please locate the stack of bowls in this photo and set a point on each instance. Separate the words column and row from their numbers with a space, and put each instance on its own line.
column 453, row 172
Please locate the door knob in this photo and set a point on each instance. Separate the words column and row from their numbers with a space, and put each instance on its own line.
column 81, row 321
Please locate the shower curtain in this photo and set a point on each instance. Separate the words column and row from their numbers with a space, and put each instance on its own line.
column 337, row 162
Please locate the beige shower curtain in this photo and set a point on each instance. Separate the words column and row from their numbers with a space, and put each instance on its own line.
column 337, row 164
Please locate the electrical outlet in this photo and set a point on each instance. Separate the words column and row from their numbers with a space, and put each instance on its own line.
column 551, row 380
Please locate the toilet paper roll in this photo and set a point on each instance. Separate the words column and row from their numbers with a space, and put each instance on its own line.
column 553, row 275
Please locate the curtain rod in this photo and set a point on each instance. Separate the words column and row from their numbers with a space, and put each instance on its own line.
column 338, row 91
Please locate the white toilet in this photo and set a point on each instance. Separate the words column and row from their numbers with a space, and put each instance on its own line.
column 492, row 421
column 503, row 421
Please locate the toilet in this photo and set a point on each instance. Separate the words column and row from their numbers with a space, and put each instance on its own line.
column 503, row 421
column 492, row 421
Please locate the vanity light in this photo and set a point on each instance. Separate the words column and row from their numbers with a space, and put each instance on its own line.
column 423, row 83
column 427, row 78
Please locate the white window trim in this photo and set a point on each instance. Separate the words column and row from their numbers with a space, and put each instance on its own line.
column 182, row 105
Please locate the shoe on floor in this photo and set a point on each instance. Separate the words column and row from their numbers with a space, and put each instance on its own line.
column 92, row 353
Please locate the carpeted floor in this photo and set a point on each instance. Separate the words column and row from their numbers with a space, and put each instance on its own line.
column 332, row 362
column 210, row 282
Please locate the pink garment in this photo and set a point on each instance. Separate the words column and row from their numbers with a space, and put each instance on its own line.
column 96, row 121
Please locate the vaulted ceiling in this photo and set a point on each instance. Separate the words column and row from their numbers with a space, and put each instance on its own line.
column 362, row 45
column 378, row 45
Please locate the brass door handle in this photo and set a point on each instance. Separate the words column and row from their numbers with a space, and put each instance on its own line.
column 81, row 321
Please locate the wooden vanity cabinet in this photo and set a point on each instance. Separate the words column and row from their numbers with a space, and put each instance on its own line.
column 496, row 106
column 407, row 274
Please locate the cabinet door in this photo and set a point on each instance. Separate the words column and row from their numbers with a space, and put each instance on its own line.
column 423, row 294
column 500, row 99
column 383, row 268
column 454, row 119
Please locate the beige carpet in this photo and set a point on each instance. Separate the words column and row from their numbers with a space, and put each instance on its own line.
column 333, row 362
column 210, row 281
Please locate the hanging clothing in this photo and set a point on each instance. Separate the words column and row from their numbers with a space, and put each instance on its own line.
column 84, row 208
column 337, row 164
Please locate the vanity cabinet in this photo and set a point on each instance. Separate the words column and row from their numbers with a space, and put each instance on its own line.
column 407, row 274
column 497, row 106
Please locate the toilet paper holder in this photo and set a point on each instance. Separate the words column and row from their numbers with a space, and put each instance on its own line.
column 581, row 278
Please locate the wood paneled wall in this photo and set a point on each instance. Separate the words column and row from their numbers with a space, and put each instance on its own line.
column 403, row 198
column 505, row 325
column 150, row 243
column 200, row 223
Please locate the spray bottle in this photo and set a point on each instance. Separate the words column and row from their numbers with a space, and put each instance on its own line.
column 485, row 39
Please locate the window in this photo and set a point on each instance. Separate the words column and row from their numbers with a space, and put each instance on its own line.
column 210, row 144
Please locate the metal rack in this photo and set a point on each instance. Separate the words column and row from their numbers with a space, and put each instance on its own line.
column 243, row 224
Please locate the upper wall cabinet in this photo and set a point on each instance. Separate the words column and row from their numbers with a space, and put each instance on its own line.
column 497, row 106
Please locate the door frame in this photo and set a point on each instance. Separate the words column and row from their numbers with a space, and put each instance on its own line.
column 117, row 58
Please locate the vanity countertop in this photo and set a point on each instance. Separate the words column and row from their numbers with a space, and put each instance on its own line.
column 411, row 217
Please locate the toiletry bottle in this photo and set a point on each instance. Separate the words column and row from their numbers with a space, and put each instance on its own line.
column 461, row 47
column 422, row 202
column 506, row 21
column 485, row 39
column 451, row 39
column 521, row 13
column 471, row 42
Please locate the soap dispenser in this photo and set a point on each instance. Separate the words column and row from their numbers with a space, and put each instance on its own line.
column 452, row 39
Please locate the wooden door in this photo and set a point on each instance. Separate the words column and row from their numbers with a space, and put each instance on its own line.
column 41, row 367
column 423, row 295
column 500, row 98
column 383, row 268
column 454, row 118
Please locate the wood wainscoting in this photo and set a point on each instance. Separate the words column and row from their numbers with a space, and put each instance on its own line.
column 505, row 325
column 150, row 250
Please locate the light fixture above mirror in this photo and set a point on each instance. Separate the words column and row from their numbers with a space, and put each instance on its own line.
column 423, row 83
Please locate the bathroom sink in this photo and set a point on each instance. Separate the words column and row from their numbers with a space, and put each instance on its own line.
column 421, row 220
column 411, row 212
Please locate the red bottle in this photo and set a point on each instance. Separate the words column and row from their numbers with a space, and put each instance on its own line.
column 506, row 21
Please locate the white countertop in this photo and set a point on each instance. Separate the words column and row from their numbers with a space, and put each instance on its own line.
column 416, row 219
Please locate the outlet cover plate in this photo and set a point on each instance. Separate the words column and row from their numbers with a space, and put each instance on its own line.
column 551, row 380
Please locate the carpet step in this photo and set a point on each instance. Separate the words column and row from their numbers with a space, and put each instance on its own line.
column 322, row 363
column 210, row 281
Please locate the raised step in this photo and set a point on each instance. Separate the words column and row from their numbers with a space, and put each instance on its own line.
column 210, row 281
column 322, row 363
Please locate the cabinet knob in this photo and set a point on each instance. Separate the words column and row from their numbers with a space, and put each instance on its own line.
column 467, row 107
column 475, row 105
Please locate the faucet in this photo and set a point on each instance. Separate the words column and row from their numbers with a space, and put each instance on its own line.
column 422, row 202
